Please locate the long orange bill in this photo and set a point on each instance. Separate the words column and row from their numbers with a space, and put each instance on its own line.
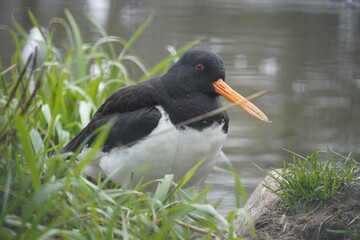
column 223, row 89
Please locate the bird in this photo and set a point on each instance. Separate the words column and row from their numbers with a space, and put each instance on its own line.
column 151, row 135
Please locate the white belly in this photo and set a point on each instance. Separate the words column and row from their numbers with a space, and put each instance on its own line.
column 166, row 150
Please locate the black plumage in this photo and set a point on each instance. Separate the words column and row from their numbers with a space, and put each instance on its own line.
column 184, row 92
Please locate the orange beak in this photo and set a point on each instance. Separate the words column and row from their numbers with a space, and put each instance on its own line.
column 223, row 89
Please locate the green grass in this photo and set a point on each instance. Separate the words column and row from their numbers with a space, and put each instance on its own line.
column 314, row 179
column 44, row 196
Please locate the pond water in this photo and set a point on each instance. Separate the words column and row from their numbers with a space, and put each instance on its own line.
column 306, row 54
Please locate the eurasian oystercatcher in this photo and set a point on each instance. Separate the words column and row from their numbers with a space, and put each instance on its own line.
column 147, row 139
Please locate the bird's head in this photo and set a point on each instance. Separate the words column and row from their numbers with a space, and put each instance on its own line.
column 203, row 72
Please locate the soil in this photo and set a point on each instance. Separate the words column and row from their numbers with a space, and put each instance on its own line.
column 338, row 218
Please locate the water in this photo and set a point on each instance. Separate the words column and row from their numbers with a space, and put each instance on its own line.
column 305, row 53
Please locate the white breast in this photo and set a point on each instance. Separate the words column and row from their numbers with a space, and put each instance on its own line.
column 166, row 150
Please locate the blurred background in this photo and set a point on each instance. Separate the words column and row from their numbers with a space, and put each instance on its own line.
column 306, row 53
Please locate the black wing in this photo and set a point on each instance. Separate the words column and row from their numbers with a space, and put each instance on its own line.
column 134, row 116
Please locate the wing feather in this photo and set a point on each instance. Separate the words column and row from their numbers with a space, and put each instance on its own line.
column 134, row 114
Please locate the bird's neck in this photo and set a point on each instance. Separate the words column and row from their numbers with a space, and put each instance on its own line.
column 182, row 110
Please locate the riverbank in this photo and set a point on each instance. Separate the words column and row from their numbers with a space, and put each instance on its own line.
column 336, row 217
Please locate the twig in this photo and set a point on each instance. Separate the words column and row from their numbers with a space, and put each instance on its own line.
column 353, row 220
column 74, row 219
column 209, row 114
column 219, row 110
column 319, row 230
column 8, row 69
column 32, row 97
column 196, row 229
column 13, row 91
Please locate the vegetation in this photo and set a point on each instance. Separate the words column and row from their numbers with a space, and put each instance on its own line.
column 44, row 101
column 314, row 179
column 320, row 198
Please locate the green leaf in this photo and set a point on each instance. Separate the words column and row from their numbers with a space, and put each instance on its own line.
column 23, row 135
column 164, row 187
column 240, row 192
column 80, row 62
column 186, row 178
column 36, row 141
column 47, row 113
column 45, row 192
column 84, row 110
column 209, row 210
column 135, row 36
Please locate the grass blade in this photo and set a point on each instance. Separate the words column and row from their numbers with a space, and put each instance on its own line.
column 23, row 135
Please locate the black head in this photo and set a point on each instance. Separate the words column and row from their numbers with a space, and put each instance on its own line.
column 195, row 72
column 203, row 72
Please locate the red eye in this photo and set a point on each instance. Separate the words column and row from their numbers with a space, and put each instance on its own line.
column 199, row 66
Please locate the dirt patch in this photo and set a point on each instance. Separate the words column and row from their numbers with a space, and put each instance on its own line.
column 338, row 218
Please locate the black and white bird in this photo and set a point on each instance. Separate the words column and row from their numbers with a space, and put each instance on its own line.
column 148, row 139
